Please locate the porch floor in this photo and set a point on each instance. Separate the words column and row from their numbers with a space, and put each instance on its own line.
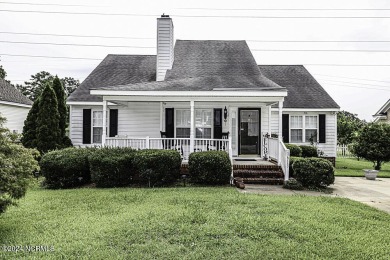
column 251, row 161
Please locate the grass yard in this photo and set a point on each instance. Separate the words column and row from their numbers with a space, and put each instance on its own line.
column 192, row 223
column 353, row 168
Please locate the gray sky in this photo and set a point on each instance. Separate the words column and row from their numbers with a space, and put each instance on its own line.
column 357, row 89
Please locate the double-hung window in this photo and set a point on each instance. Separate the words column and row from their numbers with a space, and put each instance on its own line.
column 203, row 123
column 97, row 126
column 303, row 129
column 311, row 127
column 296, row 123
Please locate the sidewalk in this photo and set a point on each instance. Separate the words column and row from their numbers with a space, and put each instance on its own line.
column 373, row 193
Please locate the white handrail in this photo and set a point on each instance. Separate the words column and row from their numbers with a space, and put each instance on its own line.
column 278, row 151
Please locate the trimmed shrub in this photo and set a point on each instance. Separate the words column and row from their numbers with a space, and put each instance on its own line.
column 309, row 151
column 158, row 167
column 66, row 168
column 211, row 167
column 112, row 167
column 314, row 172
column 291, row 170
column 293, row 184
column 295, row 150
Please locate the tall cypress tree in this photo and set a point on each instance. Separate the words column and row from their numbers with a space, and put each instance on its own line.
column 62, row 109
column 29, row 138
column 48, row 131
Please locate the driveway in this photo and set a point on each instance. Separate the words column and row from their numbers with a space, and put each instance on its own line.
column 373, row 193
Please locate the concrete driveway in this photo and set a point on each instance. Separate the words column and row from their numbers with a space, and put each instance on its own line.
column 373, row 193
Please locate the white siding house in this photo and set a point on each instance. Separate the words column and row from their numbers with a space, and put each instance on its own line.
column 202, row 95
column 13, row 106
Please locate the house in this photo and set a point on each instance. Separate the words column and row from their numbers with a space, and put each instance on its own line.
column 14, row 106
column 202, row 95
column 383, row 114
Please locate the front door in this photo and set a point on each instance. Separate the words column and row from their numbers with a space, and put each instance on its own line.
column 249, row 134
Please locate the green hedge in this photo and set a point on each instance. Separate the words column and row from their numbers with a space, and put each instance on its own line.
column 158, row 167
column 66, row 168
column 291, row 170
column 295, row 150
column 314, row 172
column 112, row 167
column 309, row 151
column 212, row 167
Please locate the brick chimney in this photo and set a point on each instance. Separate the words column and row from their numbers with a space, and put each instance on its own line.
column 165, row 44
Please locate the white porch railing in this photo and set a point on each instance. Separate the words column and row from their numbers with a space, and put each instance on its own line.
column 180, row 144
column 278, row 151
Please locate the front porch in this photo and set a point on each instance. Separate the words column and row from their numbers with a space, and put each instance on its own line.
column 273, row 168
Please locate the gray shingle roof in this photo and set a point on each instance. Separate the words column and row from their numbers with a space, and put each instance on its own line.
column 303, row 90
column 116, row 70
column 209, row 58
column 236, row 83
column 10, row 94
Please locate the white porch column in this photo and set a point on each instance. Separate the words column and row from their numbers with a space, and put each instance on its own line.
column 104, row 122
column 280, row 132
column 192, row 129
column 269, row 119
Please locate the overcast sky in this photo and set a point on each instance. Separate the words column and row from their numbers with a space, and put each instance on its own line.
column 129, row 27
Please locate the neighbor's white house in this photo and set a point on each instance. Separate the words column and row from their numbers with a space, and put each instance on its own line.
column 14, row 106
column 383, row 114
column 201, row 95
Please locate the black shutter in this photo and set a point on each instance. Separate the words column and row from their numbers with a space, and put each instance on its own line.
column 286, row 128
column 113, row 122
column 86, row 126
column 322, row 128
column 169, row 123
column 217, row 123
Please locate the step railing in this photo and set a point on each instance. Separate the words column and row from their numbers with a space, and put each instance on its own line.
column 278, row 152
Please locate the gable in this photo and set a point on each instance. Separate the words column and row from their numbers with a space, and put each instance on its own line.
column 10, row 94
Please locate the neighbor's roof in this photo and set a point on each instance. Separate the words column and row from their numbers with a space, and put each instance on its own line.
column 303, row 90
column 10, row 94
column 116, row 70
column 384, row 109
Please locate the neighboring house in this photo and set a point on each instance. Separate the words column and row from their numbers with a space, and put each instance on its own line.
column 383, row 114
column 14, row 106
column 201, row 95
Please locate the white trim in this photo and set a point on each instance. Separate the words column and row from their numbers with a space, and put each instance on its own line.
column 86, row 103
column 189, row 93
column 14, row 104
column 195, row 98
column 307, row 109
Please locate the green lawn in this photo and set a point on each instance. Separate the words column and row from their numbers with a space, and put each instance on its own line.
column 192, row 223
column 354, row 168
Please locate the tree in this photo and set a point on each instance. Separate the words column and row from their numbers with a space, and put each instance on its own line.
column 348, row 125
column 62, row 110
column 33, row 88
column 16, row 167
column 3, row 73
column 373, row 144
column 29, row 136
column 48, row 131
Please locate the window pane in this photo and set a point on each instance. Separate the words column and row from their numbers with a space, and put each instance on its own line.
column 97, row 134
column 203, row 117
column 182, row 132
column 312, row 133
column 183, row 118
column 97, row 118
column 203, row 132
column 311, row 122
column 296, row 122
column 296, row 136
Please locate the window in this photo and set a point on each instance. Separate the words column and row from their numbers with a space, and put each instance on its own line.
column 303, row 129
column 296, row 123
column 311, row 126
column 97, row 126
column 203, row 123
